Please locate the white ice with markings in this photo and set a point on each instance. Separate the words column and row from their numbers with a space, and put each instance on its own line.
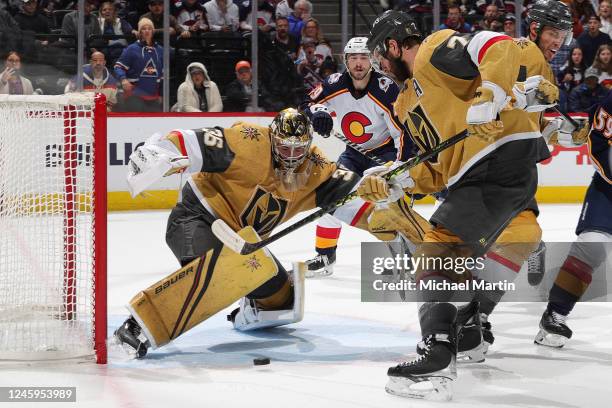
column 338, row 356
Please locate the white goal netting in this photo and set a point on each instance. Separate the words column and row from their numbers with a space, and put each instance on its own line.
column 48, row 256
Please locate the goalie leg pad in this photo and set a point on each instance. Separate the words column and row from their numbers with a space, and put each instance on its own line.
column 252, row 315
column 199, row 290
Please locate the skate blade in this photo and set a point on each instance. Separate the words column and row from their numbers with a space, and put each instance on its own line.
column 321, row 273
column 544, row 338
column 475, row 355
column 428, row 388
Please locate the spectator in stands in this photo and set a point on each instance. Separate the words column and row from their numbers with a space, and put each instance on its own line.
column 328, row 67
column 240, row 90
column 97, row 78
column 570, row 76
column 156, row 15
column 582, row 10
column 312, row 31
column 140, row 68
column 265, row 16
column 605, row 17
column 283, row 39
column 198, row 93
column 10, row 33
column 590, row 40
column 29, row 19
column 70, row 23
column 11, row 81
column 302, row 10
column 491, row 20
column 309, row 65
column 192, row 17
column 110, row 24
column 603, row 65
column 222, row 15
column 285, row 8
column 455, row 20
column 481, row 6
column 510, row 25
column 588, row 93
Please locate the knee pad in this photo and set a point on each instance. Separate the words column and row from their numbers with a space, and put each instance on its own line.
column 590, row 247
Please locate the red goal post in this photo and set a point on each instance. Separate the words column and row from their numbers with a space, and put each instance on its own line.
column 53, row 227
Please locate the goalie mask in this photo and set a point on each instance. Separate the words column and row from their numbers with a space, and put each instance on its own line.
column 291, row 136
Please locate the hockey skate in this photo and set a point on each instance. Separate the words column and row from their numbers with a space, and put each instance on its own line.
column 430, row 376
column 473, row 338
column 250, row 316
column 130, row 337
column 553, row 330
column 536, row 264
column 321, row 265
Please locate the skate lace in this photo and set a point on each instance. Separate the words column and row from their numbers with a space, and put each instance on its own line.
column 426, row 348
column 558, row 318
column 533, row 261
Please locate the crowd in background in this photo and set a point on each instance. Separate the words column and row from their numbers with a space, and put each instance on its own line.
column 125, row 55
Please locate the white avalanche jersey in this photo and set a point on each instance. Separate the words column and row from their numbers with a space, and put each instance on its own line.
column 365, row 117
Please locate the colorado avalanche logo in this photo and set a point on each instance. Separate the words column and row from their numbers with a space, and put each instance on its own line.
column 384, row 83
column 264, row 211
column 333, row 78
column 150, row 70
column 353, row 126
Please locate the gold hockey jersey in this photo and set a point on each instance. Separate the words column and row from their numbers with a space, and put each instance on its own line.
column 433, row 105
column 234, row 177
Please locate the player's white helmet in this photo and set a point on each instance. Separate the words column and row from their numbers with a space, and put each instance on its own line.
column 357, row 45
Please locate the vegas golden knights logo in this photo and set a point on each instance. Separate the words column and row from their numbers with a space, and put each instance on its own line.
column 263, row 212
column 422, row 131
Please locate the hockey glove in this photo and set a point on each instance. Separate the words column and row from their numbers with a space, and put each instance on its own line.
column 375, row 188
column 322, row 121
column 481, row 119
column 560, row 131
column 157, row 158
column 535, row 94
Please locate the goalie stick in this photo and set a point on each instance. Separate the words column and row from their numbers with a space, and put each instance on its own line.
column 230, row 238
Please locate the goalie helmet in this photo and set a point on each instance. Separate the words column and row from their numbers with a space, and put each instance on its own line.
column 392, row 24
column 291, row 136
column 551, row 13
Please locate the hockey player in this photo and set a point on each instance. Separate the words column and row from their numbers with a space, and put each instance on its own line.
column 362, row 100
column 456, row 84
column 249, row 176
column 594, row 232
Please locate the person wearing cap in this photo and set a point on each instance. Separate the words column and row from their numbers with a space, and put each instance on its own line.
column 455, row 21
column 239, row 91
column 198, row 93
column 139, row 69
column 591, row 39
column 587, row 94
column 29, row 19
column 156, row 15
column 510, row 25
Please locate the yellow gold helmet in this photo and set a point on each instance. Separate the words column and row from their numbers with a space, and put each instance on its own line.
column 291, row 136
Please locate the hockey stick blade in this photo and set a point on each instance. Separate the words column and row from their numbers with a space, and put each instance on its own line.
column 239, row 245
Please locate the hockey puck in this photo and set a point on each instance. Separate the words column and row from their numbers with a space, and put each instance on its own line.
column 261, row 361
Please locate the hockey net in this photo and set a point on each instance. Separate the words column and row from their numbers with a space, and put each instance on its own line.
column 52, row 227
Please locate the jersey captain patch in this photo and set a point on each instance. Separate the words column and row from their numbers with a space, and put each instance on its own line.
column 264, row 211
column 422, row 131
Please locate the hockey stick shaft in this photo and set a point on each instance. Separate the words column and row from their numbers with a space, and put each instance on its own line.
column 230, row 238
column 355, row 146
column 567, row 117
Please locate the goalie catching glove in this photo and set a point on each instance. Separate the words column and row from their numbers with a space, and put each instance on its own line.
column 536, row 94
column 562, row 132
column 374, row 188
column 482, row 116
column 157, row 158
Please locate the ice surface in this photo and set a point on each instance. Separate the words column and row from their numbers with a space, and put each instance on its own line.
column 338, row 356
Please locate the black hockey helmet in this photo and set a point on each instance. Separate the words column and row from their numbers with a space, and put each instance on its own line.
column 551, row 13
column 392, row 24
